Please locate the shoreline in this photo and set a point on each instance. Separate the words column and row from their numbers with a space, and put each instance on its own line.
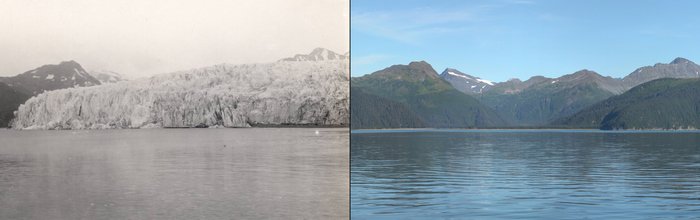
column 212, row 127
column 389, row 130
column 298, row 126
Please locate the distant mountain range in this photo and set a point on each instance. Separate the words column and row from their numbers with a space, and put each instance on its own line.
column 318, row 54
column 540, row 100
column 536, row 102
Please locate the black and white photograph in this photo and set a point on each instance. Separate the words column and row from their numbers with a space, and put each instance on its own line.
column 179, row 109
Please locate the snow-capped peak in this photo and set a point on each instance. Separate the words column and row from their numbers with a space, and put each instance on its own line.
column 322, row 52
column 456, row 73
column 317, row 54
column 106, row 76
column 466, row 83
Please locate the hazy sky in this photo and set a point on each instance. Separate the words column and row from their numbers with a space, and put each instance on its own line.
column 146, row 37
column 502, row 39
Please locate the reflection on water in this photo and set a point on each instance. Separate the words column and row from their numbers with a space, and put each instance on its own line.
column 525, row 174
column 174, row 174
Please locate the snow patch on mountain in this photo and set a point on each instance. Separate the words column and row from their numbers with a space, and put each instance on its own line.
column 459, row 75
column 466, row 83
column 485, row 81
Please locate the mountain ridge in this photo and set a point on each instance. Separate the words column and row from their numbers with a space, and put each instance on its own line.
column 19, row 88
column 536, row 102
column 417, row 89
column 48, row 77
column 540, row 100
column 317, row 54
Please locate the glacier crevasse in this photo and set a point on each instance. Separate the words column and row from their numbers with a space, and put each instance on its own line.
column 280, row 93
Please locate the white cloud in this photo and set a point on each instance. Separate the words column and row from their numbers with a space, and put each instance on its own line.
column 414, row 25
column 411, row 26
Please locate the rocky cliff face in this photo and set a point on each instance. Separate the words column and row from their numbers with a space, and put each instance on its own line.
column 309, row 93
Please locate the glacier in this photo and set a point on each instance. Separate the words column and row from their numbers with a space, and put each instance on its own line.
column 280, row 93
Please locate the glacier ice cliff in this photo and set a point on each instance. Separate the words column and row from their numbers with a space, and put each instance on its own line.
column 280, row 93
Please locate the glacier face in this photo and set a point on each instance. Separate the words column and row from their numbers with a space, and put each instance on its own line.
column 303, row 92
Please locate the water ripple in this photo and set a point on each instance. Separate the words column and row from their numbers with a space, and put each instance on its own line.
column 534, row 175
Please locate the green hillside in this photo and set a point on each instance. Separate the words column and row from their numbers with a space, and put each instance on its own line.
column 432, row 101
column 371, row 111
column 659, row 104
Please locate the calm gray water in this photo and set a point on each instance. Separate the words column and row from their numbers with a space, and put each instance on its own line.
column 525, row 174
column 278, row 173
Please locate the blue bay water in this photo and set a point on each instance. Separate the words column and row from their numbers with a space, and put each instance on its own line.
column 256, row 173
column 524, row 174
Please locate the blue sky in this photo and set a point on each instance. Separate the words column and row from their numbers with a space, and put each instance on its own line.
column 503, row 39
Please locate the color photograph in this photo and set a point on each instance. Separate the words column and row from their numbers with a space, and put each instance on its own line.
column 525, row 109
